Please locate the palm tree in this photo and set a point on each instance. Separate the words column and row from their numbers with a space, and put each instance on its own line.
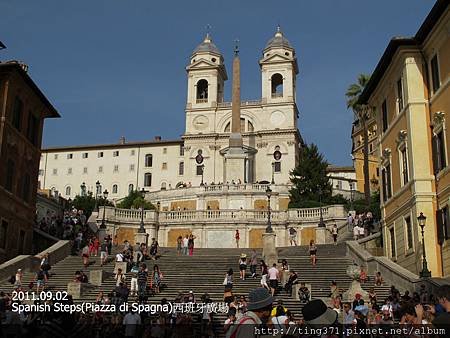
column 361, row 112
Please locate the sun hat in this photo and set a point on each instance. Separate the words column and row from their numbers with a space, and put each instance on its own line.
column 316, row 312
column 259, row 298
column 243, row 255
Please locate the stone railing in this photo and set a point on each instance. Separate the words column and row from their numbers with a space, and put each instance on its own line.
column 335, row 212
column 243, row 103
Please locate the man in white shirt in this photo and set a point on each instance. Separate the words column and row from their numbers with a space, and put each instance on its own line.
column 274, row 276
column 356, row 232
column 185, row 245
column 119, row 257
column 131, row 321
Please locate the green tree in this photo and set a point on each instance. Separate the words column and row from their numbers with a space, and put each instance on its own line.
column 135, row 200
column 87, row 203
column 362, row 114
column 310, row 180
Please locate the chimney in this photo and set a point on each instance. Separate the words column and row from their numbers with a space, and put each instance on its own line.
column 122, row 140
column 157, row 138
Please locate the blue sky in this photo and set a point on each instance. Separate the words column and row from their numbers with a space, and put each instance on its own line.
column 114, row 68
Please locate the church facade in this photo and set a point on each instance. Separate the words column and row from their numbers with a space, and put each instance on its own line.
column 267, row 129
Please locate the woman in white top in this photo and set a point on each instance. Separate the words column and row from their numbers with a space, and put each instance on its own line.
column 18, row 282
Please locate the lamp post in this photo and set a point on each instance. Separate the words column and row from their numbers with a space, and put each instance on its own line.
column 425, row 273
column 83, row 189
column 97, row 187
column 321, row 223
column 105, row 196
column 273, row 173
column 351, row 195
column 203, row 170
column 141, row 227
column 269, row 223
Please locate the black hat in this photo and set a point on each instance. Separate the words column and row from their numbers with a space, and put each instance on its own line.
column 316, row 312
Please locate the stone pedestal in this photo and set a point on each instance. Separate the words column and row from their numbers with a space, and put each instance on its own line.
column 295, row 289
column 269, row 252
column 235, row 165
column 321, row 235
column 75, row 289
column 120, row 265
column 96, row 277
column 101, row 234
column 141, row 237
column 355, row 287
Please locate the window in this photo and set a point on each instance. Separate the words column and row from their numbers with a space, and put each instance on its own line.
column 3, row 234
column 69, row 171
column 17, row 114
column 130, row 188
column 277, row 167
column 56, row 156
column 100, row 154
column 163, row 186
column 435, row 81
column 33, row 128
column 131, row 167
column 384, row 116
column 392, row 237
column 378, row 172
column 181, row 150
column 115, row 153
column 200, row 169
column 409, row 233
column 69, row 156
column 26, row 182
column 443, row 225
column 339, row 185
column 133, row 152
column 116, row 168
column 148, row 180
column 149, row 160
column 68, row 191
column 400, row 100
column 242, row 125
column 85, row 155
column 21, row 242
column 404, row 159
column 164, row 166
column 85, row 170
column 439, row 158
column 100, row 169
column 386, row 176
column 181, row 168
column 164, row 150
column 202, row 91
column 250, row 126
column 370, row 147
column 55, row 171
column 115, row 189
column 277, row 85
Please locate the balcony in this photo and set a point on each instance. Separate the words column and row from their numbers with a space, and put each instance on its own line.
column 202, row 101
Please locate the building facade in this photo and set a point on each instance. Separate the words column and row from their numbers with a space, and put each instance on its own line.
column 23, row 108
column 410, row 97
column 269, row 128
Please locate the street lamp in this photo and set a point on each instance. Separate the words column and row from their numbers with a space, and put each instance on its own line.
column 321, row 223
column 83, row 189
column 351, row 195
column 273, row 173
column 97, row 189
column 203, row 170
column 141, row 227
column 425, row 273
column 269, row 224
column 105, row 196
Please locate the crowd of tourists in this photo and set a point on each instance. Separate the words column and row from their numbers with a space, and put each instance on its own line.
column 66, row 226
column 362, row 225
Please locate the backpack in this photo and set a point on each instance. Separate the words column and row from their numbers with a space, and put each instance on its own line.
column 232, row 331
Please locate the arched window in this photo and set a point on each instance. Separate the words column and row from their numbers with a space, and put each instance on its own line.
column 163, row 186
column 148, row 160
column 202, row 91
column 147, row 180
column 115, row 189
column 243, row 126
column 228, row 127
column 68, row 191
column 130, row 188
column 250, row 126
column 277, row 85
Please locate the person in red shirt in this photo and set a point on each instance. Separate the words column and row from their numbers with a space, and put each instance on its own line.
column 237, row 237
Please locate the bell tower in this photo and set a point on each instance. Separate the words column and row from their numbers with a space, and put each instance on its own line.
column 206, row 76
column 278, row 70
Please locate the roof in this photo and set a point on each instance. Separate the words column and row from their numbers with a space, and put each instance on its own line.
column 112, row 145
column 15, row 66
column 207, row 46
column 335, row 168
column 430, row 21
column 278, row 41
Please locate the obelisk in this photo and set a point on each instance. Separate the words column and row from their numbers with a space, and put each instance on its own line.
column 235, row 156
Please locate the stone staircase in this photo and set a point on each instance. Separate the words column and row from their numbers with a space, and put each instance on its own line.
column 205, row 271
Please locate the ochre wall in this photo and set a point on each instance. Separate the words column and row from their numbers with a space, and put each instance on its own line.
column 260, row 204
column 125, row 234
column 283, row 204
column 255, row 238
column 184, row 205
column 174, row 233
column 307, row 235
column 213, row 205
